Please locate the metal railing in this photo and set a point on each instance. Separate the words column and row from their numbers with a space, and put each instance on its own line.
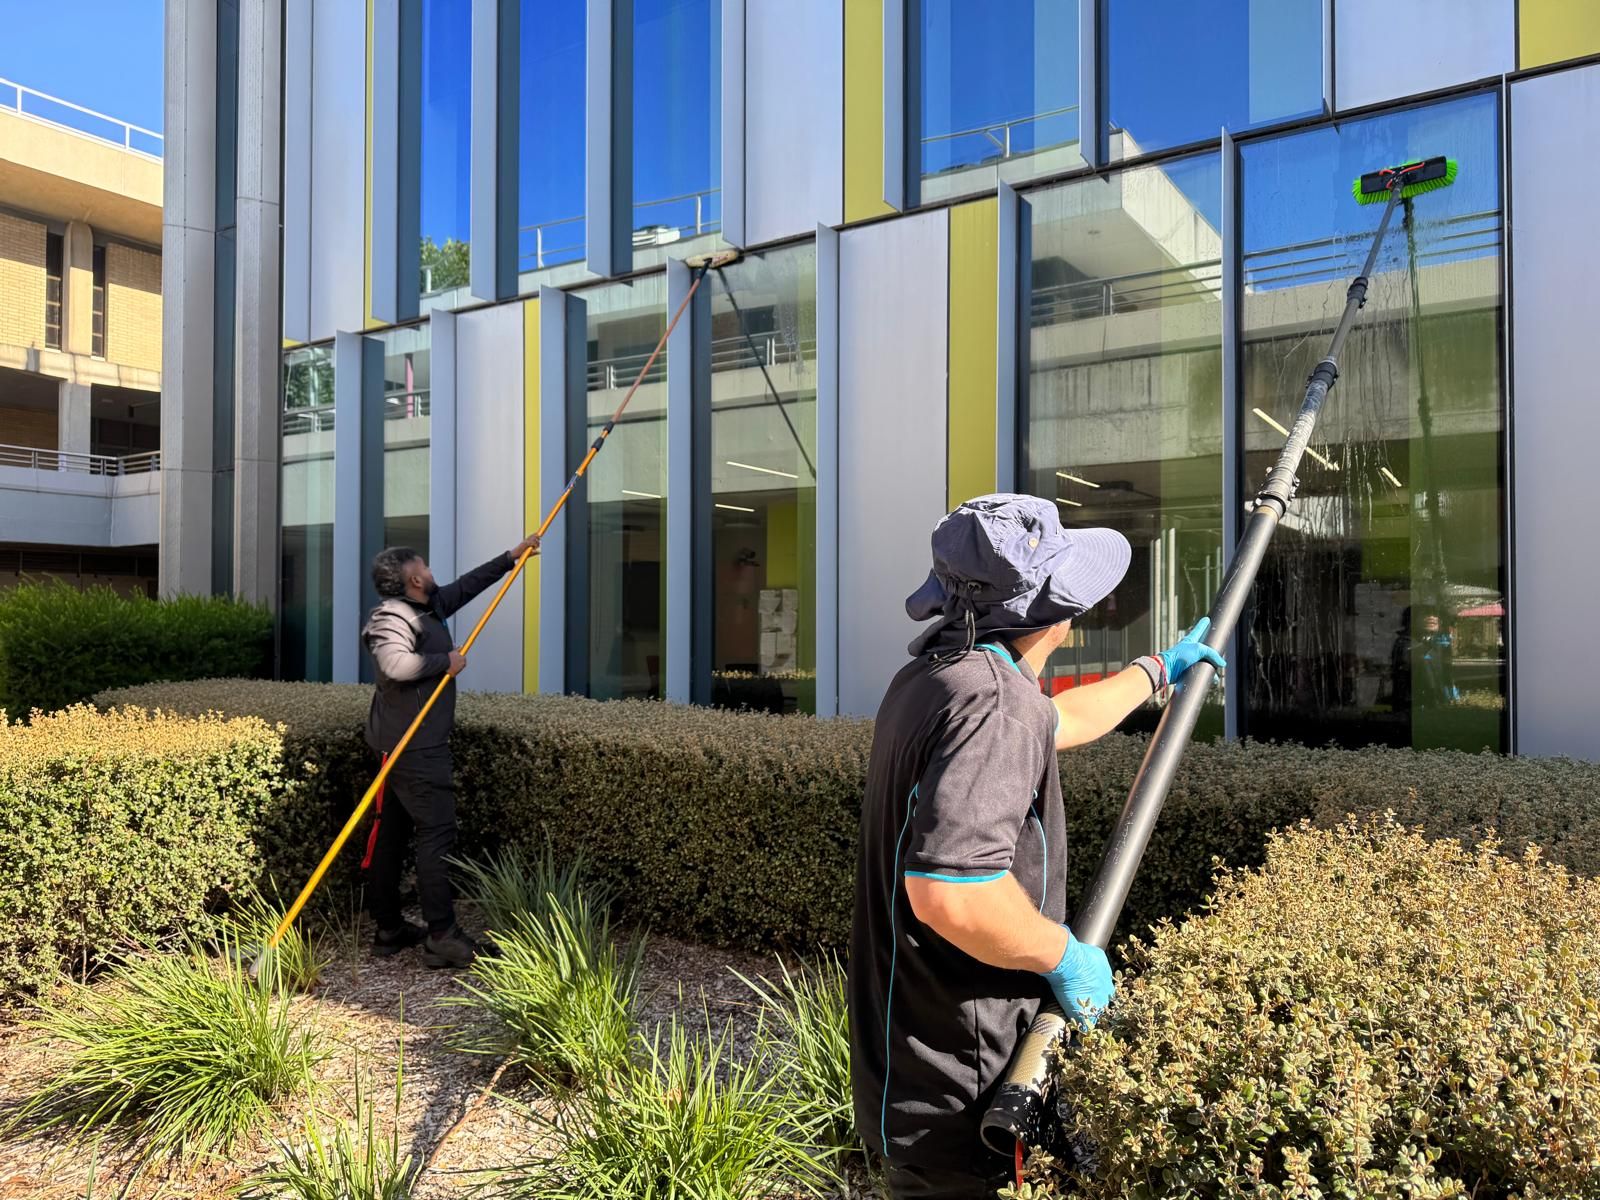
column 997, row 136
column 1087, row 299
column 308, row 420
column 32, row 458
column 543, row 254
column 15, row 97
column 727, row 354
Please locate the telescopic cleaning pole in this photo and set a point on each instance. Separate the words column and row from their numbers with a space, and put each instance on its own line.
column 699, row 264
column 1015, row 1115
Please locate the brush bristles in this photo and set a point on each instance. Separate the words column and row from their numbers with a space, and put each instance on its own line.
column 1451, row 168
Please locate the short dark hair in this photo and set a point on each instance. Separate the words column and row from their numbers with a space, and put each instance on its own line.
column 389, row 570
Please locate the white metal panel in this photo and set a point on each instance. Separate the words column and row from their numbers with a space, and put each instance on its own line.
column 297, row 142
column 1385, row 49
column 489, row 478
column 893, row 385
column 338, row 167
column 793, row 135
column 1555, row 422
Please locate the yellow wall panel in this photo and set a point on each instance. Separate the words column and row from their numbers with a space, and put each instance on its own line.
column 863, row 110
column 1551, row 31
column 530, row 491
column 974, row 348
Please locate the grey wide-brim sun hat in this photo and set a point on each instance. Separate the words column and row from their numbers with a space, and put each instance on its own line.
column 1008, row 559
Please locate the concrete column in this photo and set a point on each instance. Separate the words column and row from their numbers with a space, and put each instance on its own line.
column 77, row 316
column 188, row 251
column 72, row 408
column 258, row 337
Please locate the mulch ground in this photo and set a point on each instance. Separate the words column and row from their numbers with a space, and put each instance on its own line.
column 367, row 1011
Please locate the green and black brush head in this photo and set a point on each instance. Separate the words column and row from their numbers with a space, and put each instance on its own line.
column 1414, row 178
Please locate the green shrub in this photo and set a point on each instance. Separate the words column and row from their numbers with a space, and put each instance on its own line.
column 1368, row 1015
column 59, row 645
column 694, row 1119
column 123, row 828
column 561, row 994
column 808, row 1044
column 175, row 1053
column 740, row 828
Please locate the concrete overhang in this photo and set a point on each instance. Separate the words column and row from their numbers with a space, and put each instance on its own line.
column 63, row 175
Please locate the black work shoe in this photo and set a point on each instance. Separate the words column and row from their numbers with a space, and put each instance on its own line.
column 452, row 948
column 391, row 941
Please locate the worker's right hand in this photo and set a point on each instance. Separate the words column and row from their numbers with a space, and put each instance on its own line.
column 1081, row 982
column 458, row 663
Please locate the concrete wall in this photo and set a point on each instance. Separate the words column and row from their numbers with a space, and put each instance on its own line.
column 21, row 280
column 133, row 307
column 72, row 508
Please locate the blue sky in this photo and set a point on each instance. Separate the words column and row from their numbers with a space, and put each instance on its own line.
column 102, row 54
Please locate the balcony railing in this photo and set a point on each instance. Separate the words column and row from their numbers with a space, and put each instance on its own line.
column 985, row 144
column 729, row 353
column 562, row 241
column 52, row 110
column 32, row 458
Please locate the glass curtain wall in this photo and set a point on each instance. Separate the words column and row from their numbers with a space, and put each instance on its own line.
column 1123, row 421
column 306, row 478
column 551, row 230
column 1379, row 615
column 446, row 164
column 677, row 127
column 764, row 482
column 1177, row 71
column 406, row 429
column 621, row 557
column 999, row 92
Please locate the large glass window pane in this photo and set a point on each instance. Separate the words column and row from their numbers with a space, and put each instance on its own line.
column 446, row 164
column 306, row 595
column 406, row 425
column 999, row 92
column 1177, row 71
column 626, row 491
column 550, row 154
column 764, row 482
column 677, row 127
column 1124, row 400
column 1379, row 613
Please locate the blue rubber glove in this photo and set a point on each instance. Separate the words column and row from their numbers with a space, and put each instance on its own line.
column 1189, row 651
column 1081, row 982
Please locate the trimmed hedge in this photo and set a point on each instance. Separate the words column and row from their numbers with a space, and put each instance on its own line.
column 59, row 645
column 1368, row 1015
column 118, row 829
column 740, row 827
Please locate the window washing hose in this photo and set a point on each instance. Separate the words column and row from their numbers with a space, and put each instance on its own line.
column 700, row 265
column 1015, row 1118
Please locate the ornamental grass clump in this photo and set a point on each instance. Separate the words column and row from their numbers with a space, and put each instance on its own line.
column 692, row 1120
column 176, row 1053
column 1367, row 1015
column 806, row 1041
column 559, row 998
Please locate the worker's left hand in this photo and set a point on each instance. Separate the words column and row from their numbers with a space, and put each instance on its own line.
column 1189, row 651
column 531, row 542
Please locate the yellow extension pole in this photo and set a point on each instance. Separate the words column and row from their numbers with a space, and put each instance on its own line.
column 561, row 501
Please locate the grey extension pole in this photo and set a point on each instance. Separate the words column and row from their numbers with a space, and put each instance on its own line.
column 1019, row 1103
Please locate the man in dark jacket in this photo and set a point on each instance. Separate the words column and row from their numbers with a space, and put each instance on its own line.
column 412, row 649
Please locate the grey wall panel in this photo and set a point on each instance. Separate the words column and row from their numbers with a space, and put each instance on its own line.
column 793, row 139
column 489, row 448
column 1010, row 300
column 338, row 167
column 733, row 121
column 609, row 137
column 901, row 116
column 1384, row 49
column 350, row 361
column 442, row 445
column 893, row 284
column 827, row 471
column 386, row 51
column 1555, row 422
column 563, row 371
column 496, row 71
column 297, row 51
column 688, row 491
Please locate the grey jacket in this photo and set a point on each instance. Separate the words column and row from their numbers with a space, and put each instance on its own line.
column 410, row 645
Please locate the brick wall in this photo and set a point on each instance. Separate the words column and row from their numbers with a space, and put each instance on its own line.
column 22, row 281
column 133, row 307
column 29, row 427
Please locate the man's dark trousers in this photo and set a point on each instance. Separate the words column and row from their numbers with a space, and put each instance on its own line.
column 916, row 1183
column 419, row 796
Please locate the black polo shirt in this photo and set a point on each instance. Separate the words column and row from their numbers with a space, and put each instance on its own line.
column 962, row 786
